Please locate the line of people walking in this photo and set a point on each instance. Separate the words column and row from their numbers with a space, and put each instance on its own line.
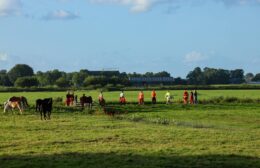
column 191, row 98
column 188, row 98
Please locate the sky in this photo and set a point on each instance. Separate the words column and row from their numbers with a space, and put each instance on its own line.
column 130, row 35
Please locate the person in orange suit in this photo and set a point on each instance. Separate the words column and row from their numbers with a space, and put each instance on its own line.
column 153, row 94
column 122, row 99
column 141, row 98
column 185, row 97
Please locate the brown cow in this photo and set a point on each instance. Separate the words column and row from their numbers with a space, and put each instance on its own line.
column 16, row 102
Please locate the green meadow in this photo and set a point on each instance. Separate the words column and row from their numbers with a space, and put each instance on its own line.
column 132, row 96
column 149, row 136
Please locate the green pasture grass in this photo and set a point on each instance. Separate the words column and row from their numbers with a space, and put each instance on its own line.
column 149, row 136
column 132, row 96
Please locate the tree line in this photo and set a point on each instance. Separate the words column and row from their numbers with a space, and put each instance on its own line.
column 209, row 76
column 22, row 75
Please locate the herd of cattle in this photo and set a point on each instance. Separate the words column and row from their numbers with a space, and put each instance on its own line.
column 44, row 106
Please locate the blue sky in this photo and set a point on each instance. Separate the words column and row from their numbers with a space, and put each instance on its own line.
column 130, row 35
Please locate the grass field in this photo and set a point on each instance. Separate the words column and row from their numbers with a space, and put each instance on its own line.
column 131, row 96
column 149, row 136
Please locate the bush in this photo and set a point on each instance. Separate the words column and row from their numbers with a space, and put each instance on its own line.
column 18, row 71
column 231, row 99
column 221, row 99
column 26, row 82
column 58, row 99
column 247, row 100
column 62, row 82
column 98, row 86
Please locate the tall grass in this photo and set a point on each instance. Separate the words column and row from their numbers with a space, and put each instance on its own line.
column 148, row 136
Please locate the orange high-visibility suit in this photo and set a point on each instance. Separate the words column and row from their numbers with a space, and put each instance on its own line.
column 122, row 99
column 185, row 97
column 153, row 94
column 141, row 98
column 191, row 98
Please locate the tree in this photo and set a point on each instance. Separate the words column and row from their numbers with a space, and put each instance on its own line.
column 134, row 75
column 26, row 82
column 4, row 80
column 20, row 70
column 79, row 77
column 257, row 77
column 162, row 74
column 237, row 76
column 149, row 74
column 114, row 80
column 90, row 80
column 54, row 75
column 249, row 77
column 180, row 81
column 195, row 77
column 49, row 77
column 95, row 80
column 3, row 71
column 62, row 82
column 43, row 80
column 216, row 76
column 222, row 76
column 209, row 76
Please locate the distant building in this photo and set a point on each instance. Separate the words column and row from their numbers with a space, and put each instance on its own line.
column 151, row 80
column 254, row 83
column 105, row 73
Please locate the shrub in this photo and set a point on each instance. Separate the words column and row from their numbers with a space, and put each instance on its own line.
column 231, row 99
column 26, row 82
column 62, row 82
column 18, row 71
column 247, row 100
column 161, row 121
column 58, row 99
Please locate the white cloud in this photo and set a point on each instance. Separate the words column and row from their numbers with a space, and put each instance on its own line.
column 194, row 57
column 3, row 56
column 145, row 5
column 60, row 15
column 239, row 2
column 136, row 5
column 10, row 7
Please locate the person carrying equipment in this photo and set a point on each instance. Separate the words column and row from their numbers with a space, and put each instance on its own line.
column 195, row 97
column 122, row 99
column 168, row 97
column 191, row 97
column 141, row 98
column 185, row 97
column 68, row 99
column 101, row 99
column 83, row 100
column 153, row 94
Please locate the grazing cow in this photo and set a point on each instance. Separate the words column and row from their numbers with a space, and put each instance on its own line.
column 102, row 102
column 69, row 99
column 16, row 102
column 112, row 111
column 8, row 106
column 38, row 105
column 44, row 106
column 109, row 111
column 86, row 101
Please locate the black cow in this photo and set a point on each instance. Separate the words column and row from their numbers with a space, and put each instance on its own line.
column 38, row 105
column 44, row 106
column 86, row 100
